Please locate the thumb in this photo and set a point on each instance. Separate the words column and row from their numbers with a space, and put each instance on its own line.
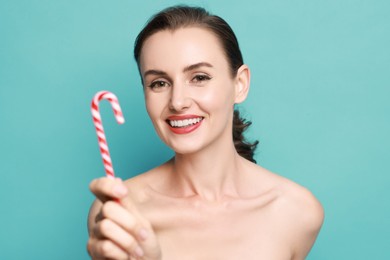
column 106, row 188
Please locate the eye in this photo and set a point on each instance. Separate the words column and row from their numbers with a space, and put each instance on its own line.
column 200, row 78
column 158, row 85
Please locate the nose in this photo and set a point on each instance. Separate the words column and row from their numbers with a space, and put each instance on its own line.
column 179, row 100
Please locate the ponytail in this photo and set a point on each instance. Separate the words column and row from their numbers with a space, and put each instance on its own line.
column 243, row 147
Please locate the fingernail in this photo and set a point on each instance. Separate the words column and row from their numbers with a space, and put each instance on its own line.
column 139, row 252
column 120, row 190
column 143, row 234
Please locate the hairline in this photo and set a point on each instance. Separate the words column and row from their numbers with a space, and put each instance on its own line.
column 199, row 25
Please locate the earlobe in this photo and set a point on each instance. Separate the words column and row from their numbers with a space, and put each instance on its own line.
column 242, row 84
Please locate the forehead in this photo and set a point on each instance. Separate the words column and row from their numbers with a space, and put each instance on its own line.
column 176, row 49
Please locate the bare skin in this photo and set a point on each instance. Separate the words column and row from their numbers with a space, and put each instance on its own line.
column 265, row 217
column 207, row 202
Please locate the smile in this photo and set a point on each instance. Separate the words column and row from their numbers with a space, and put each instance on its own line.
column 184, row 123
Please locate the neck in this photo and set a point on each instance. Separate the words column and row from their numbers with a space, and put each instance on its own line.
column 212, row 174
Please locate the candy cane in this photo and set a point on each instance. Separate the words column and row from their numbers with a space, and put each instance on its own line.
column 99, row 127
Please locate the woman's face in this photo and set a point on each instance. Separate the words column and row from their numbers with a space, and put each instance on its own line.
column 189, row 90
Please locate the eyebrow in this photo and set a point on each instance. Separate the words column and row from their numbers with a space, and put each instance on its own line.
column 186, row 69
column 196, row 66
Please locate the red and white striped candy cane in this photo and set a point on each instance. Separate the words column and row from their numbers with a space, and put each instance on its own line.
column 99, row 127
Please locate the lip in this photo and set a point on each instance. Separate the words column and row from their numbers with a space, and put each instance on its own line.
column 183, row 117
column 187, row 129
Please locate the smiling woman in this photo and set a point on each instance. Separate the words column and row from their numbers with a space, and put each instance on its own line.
column 210, row 201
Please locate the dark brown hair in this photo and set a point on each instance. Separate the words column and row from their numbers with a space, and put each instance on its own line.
column 181, row 16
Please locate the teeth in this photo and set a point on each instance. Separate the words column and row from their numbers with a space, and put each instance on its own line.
column 185, row 122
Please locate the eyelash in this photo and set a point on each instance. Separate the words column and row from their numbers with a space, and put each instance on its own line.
column 156, row 84
column 201, row 77
column 197, row 79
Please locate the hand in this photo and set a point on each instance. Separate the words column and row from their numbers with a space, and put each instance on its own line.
column 117, row 229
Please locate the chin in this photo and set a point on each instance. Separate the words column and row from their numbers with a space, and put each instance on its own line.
column 185, row 149
column 185, row 146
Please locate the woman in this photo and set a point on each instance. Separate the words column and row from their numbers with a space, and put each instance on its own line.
column 210, row 201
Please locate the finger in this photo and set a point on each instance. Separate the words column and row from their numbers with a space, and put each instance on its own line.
column 106, row 188
column 128, row 220
column 110, row 230
column 105, row 249
column 135, row 224
column 149, row 244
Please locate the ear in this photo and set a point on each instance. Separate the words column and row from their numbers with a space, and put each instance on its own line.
column 242, row 82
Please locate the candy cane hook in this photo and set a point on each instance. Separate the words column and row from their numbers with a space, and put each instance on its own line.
column 99, row 127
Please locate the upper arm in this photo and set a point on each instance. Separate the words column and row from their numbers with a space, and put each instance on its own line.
column 309, row 217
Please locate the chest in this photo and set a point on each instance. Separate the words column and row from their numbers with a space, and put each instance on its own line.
column 219, row 233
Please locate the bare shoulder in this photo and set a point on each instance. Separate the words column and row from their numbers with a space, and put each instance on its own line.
column 294, row 200
column 301, row 205
column 305, row 217
column 296, row 209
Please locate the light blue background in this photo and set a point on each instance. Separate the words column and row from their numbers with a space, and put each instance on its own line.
column 319, row 103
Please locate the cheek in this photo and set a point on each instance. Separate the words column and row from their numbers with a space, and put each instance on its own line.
column 152, row 107
column 218, row 97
